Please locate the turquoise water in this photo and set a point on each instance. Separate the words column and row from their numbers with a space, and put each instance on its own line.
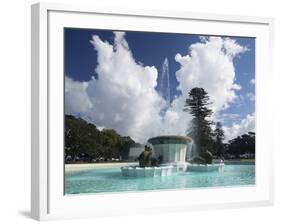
column 111, row 180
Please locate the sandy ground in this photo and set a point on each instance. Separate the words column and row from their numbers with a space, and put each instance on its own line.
column 89, row 166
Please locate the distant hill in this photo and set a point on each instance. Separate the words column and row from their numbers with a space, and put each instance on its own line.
column 85, row 143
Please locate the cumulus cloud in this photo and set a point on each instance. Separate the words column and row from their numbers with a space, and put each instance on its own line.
column 124, row 96
column 246, row 125
column 210, row 65
column 231, row 48
column 77, row 101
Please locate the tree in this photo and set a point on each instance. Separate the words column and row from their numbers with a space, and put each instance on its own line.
column 219, row 137
column 84, row 142
column 197, row 105
column 241, row 145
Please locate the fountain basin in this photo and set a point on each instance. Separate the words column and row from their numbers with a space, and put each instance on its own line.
column 204, row 167
column 134, row 171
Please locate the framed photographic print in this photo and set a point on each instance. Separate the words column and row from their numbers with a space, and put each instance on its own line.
column 162, row 111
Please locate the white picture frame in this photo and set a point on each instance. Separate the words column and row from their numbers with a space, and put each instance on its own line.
column 47, row 198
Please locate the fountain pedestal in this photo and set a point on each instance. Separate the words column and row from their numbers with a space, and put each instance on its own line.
column 171, row 149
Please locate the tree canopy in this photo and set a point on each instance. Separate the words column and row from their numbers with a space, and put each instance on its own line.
column 241, row 145
column 84, row 142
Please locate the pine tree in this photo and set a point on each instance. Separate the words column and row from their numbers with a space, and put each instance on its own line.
column 219, row 137
column 197, row 105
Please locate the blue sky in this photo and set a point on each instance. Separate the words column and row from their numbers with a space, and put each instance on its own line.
column 150, row 49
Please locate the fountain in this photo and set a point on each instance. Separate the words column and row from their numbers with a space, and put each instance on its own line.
column 172, row 153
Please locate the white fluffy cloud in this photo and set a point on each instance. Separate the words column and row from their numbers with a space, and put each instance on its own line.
column 124, row 96
column 76, row 98
column 210, row 65
column 246, row 125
